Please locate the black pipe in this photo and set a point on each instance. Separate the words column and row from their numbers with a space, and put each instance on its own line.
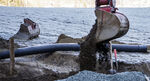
column 67, row 47
column 41, row 49
column 130, row 48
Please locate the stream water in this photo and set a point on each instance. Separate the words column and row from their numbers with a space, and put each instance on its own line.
column 74, row 22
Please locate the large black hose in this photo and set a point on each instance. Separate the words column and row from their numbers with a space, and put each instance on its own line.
column 130, row 48
column 67, row 47
column 41, row 49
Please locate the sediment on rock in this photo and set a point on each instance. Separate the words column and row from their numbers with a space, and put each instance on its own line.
column 30, row 73
column 66, row 39
column 140, row 67
column 43, row 68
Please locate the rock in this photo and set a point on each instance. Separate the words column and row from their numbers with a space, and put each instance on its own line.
column 62, row 61
column 66, row 39
column 36, row 69
column 28, row 30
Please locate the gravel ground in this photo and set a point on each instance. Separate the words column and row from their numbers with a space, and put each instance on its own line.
column 93, row 76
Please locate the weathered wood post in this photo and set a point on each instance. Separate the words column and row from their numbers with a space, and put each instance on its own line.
column 12, row 55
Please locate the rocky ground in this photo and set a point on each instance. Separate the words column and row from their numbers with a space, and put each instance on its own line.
column 60, row 65
column 40, row 68
column 93, row 76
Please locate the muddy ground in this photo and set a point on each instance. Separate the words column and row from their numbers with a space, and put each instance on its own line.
column 40, row 68
column 56, row 66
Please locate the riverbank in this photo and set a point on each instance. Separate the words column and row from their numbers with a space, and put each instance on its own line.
column 63, row 64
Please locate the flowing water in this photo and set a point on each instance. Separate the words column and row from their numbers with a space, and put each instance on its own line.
column 75, row 22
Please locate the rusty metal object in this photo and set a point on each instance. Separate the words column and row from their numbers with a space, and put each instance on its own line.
column 110, row 25
column 28, row 30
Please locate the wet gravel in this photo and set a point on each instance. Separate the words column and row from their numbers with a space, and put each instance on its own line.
column 93, row 76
